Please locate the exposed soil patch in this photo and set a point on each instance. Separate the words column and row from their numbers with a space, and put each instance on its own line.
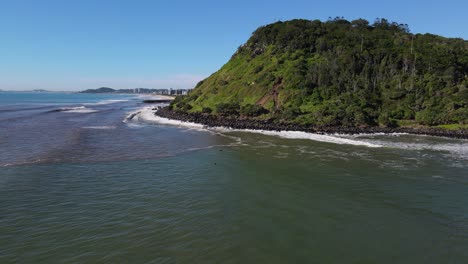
column 272, row 95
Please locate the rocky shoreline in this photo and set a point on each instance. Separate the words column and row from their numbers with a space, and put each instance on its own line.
column 247, row 123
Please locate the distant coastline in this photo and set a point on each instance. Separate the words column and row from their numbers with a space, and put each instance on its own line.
column 162, row 92
column 32, row 91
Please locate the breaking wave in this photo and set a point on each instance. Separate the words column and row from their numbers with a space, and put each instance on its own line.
column 78, row 109
column 99, row 127
column 147, row 114
column 405, row 141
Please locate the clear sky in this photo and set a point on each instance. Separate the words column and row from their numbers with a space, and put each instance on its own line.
column 76, row 45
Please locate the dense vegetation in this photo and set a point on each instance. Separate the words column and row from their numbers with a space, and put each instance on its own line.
column 340, row 73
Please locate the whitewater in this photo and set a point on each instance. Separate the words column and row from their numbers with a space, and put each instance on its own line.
column 458, row 147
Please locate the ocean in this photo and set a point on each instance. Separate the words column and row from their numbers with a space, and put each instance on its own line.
column 87, row 178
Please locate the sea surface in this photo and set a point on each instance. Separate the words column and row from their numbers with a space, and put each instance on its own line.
column 99, row 179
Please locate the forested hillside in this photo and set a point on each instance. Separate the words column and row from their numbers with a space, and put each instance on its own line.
column 340, row 73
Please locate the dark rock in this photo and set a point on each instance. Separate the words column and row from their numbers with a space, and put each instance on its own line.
column 270, row 124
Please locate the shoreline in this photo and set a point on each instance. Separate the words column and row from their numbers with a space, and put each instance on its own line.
column 270, row 125
column 165, row 97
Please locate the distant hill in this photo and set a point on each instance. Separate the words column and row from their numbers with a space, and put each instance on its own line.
column 340, row 73
column 100, row 90
column 40, row 91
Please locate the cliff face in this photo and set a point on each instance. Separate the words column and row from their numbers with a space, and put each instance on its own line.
column 340, row 73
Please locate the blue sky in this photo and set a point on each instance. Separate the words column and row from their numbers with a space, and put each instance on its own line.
column 76, row 45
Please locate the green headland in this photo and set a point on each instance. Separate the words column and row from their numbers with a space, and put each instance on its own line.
column 340, row 73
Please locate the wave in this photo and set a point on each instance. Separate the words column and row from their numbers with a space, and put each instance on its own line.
column 78, row 109
column 305, row 135
column 99, row 127
column 24, row 109
column 459, row 148
column 359, row 135
column 402, row 141
column 27, row 162
column 131, row 116
column 147, row 114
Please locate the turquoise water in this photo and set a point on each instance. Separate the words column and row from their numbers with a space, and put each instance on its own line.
column 96, row 187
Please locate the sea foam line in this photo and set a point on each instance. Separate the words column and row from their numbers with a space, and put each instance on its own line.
column 459, row 149
column 78, row 109
column 25, row 163
column 99, row 127
column 147, row 114
column 311, row 136
column 81, row 111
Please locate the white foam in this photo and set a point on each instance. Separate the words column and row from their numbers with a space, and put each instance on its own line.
column 311, row 136
column 147, row 114
column 459, row 149
column 80, row 110
column 456, row 147
column 23, row 163
column 99, row 127
column 71, row 108
column 372, row 134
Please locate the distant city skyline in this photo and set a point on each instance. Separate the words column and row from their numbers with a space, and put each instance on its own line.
column 79, row 45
